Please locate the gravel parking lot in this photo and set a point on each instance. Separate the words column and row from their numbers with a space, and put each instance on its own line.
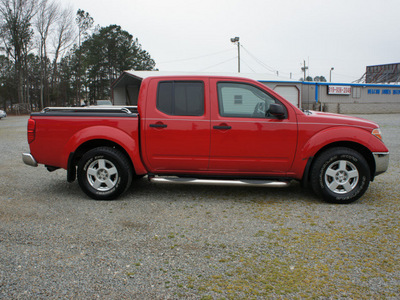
column 165, row 241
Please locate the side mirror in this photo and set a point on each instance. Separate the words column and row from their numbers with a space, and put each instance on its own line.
column 276, row 110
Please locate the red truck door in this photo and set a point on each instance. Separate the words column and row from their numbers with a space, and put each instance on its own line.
column 176, row 126
column 243, row 138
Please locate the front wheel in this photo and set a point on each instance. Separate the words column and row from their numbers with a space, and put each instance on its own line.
column 340, row 175
column 104, row 173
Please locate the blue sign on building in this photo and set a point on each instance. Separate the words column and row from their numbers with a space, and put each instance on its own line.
column 374, row 92
column 383, row 92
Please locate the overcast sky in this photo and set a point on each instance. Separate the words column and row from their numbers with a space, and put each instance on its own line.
column 276, row 36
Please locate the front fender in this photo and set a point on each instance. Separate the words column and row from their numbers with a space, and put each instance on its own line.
column 130, row 142
column 341, row 134
column 334, row 135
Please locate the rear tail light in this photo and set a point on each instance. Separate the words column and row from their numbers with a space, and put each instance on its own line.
column 31, row 130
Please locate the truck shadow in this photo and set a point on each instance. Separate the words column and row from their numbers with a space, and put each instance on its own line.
column 142, row 188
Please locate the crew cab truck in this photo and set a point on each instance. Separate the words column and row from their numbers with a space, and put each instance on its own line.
column 208, row 129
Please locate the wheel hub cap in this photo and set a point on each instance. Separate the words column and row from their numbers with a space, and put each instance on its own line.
column 341, row 177
column 102, row 175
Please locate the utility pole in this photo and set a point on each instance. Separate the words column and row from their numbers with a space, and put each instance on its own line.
column 235, row 40
column 304, row 69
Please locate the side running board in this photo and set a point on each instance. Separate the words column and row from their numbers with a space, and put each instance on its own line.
column 241, row 182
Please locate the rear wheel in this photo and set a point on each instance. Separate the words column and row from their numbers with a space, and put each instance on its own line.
column 340, row 175
column 104, row 173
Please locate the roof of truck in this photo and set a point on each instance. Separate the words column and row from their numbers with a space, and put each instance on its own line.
column 140, row 75
column 255, row 76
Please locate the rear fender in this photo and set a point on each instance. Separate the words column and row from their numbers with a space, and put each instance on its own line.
column 129, row 143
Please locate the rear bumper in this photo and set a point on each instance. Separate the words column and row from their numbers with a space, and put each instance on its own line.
column 381, row 162
column 28, row 159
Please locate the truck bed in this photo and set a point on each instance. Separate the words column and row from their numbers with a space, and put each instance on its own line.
column 62, row 129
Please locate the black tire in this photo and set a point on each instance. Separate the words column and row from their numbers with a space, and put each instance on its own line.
column 340, row 175
column 104, row 173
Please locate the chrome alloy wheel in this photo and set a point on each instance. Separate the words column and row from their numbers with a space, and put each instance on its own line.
column 341, row 177
column 102, row 175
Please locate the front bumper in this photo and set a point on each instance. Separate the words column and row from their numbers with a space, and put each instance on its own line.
column 28, row 159
column 381, row 162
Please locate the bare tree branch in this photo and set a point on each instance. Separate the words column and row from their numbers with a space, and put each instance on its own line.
column 16, row 31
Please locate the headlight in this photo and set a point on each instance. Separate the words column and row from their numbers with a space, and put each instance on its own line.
column 377, row 132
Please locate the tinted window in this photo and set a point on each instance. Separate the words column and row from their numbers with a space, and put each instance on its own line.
column 243, row 100
column 181, row 98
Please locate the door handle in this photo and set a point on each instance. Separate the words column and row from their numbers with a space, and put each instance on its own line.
column 223, row 127
column 158, row 125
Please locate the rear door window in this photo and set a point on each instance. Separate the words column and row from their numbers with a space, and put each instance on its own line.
column 181, row 98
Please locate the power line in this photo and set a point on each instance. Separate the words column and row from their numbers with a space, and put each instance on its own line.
column 260, row 62
column 193, row 58
column 345, row 75
column 248, row 65
column 218, row 64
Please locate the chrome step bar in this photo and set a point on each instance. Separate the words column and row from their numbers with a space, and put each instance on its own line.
column 241, row 182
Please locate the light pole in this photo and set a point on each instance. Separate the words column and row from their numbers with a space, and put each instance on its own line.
column 330, row 74
column 235, row 40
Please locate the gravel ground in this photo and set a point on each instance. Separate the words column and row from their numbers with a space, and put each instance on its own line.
column 165, row 241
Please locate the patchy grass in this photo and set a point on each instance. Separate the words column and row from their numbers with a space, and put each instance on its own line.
column 317, row 258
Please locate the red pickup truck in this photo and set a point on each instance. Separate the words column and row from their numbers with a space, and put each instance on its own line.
column 208, row 129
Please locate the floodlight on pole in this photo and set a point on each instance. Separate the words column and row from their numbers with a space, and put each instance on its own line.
column 235, row 40
column 330, row 74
